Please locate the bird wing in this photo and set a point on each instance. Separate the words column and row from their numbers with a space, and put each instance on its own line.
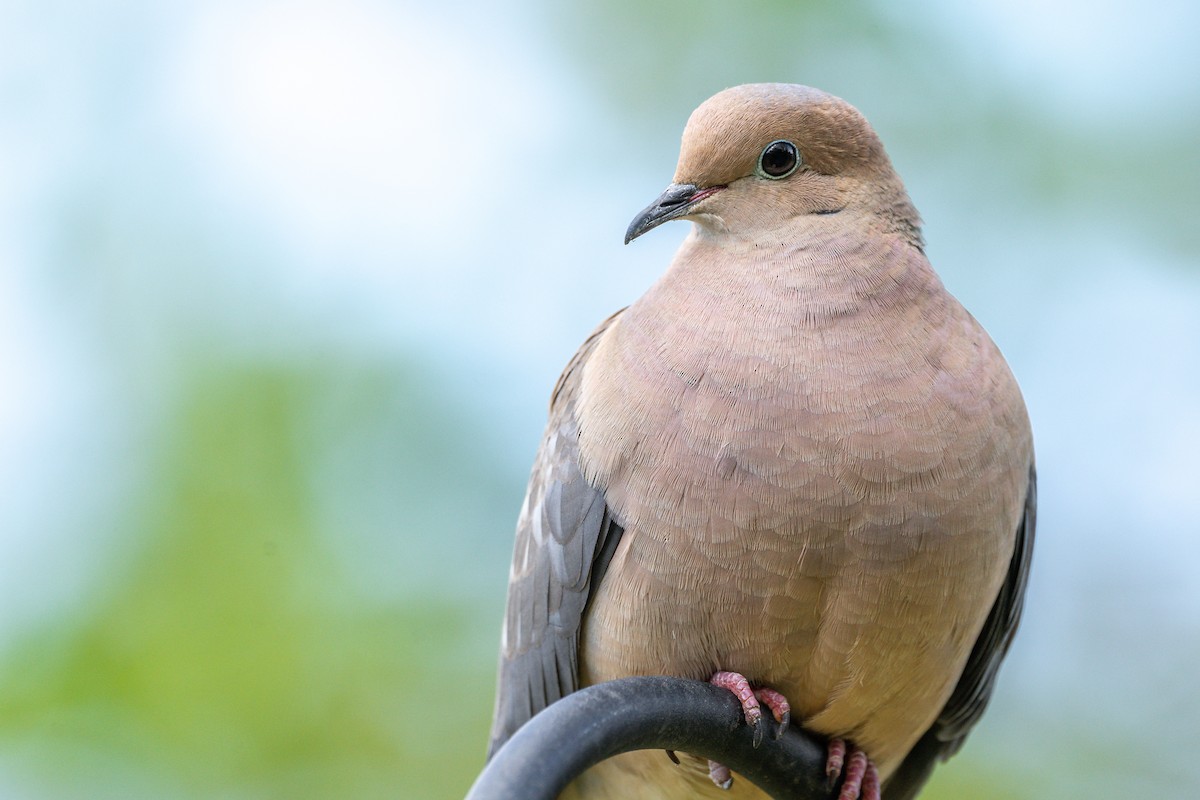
column 974, row 689
column 565, row 539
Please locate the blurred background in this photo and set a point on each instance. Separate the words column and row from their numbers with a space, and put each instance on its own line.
column 284, row 288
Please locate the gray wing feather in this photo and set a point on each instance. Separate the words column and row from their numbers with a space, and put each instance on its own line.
column 562, row 532
column 966, row 705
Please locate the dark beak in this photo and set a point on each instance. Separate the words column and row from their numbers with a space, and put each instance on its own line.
column 677, row 201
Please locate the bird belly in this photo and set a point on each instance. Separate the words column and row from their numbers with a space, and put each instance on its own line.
column 865, row 649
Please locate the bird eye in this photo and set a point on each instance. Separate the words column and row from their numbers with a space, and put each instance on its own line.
column 778, row 160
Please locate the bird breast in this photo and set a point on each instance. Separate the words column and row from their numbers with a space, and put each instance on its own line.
column 744, row 400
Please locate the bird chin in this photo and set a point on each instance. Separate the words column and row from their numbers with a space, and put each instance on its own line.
column 707, row 224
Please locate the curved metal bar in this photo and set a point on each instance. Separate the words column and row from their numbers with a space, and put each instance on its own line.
column 657, row 713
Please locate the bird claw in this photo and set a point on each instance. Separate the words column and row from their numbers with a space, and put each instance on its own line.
column 720, row 774
column 752, row 701
column 737, row 683
column 781, row 710
column 784, row 721
column 835, row 756
column 860, row 777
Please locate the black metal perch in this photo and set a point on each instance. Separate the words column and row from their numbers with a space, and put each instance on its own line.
column 658, row 713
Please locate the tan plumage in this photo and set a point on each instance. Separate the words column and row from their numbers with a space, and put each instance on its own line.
column 796, row 457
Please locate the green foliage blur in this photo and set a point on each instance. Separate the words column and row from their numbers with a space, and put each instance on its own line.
column 231, row 654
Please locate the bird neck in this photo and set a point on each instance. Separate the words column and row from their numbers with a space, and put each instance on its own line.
column 818, row 268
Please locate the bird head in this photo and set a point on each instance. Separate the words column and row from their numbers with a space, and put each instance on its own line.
column 756, row 157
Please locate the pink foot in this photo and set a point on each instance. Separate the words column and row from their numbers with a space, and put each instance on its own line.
column 720, row 774
column 751, row 708
column 860, row 778
column 749, row 698
column 781, row 709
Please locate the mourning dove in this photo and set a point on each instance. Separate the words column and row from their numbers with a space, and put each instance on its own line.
column 796, row 466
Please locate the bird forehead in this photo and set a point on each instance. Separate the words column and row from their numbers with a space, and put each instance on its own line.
column 726, row 134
